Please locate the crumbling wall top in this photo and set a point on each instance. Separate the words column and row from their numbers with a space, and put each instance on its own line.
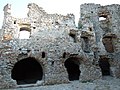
column 7, row 9
column 34, row 9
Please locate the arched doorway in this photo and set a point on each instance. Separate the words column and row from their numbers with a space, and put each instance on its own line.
column 27, row 71
column 72, row 66
column 105, row 66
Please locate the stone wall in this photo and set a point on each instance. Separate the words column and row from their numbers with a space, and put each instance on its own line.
column 101, row 25
column 54, row 40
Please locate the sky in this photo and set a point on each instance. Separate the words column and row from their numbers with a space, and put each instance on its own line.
column 19, row 7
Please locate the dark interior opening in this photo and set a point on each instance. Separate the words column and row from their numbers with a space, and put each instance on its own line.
column 72, row 65
column 90, row 29
column 108, row 43
column 27, row 71
column 43, row 54
column 105, row 66
column 73, row 37
column 15, row 22
column 64, row 54
column 34, row 27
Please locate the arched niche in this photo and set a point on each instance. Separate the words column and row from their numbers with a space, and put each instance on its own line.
column 108, row 42
column 27, row 71
column 72, row 67
column 105, row 66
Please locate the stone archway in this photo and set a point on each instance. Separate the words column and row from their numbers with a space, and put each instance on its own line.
column 27, row 71
column 72, row 66
column 105, row 66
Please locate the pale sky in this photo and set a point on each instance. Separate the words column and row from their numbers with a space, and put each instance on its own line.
column 19, row 7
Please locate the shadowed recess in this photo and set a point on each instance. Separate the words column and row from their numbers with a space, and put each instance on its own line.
column 27, row 71
column 72, row 65
column 105, row 66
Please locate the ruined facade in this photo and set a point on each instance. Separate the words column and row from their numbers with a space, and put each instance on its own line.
column 55, row 51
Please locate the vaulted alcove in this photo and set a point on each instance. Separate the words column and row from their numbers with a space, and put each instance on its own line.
column 108, row 43
column 72, row 66
column 27, row 71
column 105, row 66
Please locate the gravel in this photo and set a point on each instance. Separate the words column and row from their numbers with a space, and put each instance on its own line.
column 107, row 83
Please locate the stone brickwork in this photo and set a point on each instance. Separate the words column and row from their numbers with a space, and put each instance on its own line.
column 55, row 45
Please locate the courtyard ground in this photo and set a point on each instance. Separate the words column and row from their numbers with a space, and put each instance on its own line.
column 107, row 83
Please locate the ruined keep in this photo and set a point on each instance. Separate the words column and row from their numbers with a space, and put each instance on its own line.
column 56, row 51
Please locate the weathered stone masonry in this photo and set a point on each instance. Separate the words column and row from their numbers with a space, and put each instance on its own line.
column 56, row 51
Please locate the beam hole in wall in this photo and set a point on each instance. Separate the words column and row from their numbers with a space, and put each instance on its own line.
column 57, row 23
column 52, row 63
column 73, row 37
column 72, row 66
column 35, row 22
column 105, row 66
column 15, row 22
column 24, row 33
column 43, row 54
column 34, row 27
column 90, row 29
column 27, row 71
column 64, row 55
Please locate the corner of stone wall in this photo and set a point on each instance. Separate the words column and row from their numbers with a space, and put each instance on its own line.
column 90, row 73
